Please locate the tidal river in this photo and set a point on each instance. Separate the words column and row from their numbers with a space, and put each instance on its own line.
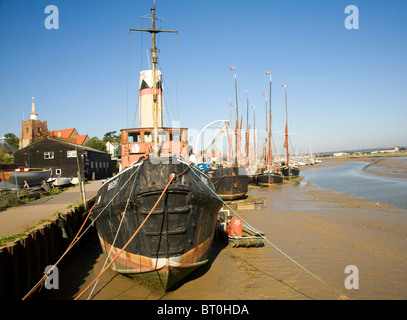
column 365, row 179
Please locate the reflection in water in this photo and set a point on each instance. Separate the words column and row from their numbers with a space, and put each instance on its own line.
column 351, row 178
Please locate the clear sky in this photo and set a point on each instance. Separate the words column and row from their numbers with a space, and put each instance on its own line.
column 346, row 88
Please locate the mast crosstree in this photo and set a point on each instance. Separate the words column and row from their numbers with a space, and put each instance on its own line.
column 153, row 31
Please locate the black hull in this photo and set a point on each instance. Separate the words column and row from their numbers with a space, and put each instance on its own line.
column 290, row 172
column 265, row 179
column 230, row 183
column 176, row 238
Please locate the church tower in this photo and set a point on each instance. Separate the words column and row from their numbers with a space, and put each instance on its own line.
column 32, row 129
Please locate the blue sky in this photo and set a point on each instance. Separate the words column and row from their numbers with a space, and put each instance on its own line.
column 346, row 88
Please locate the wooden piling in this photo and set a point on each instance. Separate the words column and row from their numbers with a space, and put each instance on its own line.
column 23, row 261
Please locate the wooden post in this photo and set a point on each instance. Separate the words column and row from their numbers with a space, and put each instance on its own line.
column 80, row 180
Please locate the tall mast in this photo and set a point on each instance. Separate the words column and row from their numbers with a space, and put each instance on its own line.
column 154, row 56
column 254, row 136
column 286, row 126
column 237, row 133
column 154, row 60
column 265, row 152
column 269, row 141
column 237, row 108
column 267, row 131
column 247, row 129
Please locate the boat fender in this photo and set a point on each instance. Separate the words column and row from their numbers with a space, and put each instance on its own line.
column 235, row 227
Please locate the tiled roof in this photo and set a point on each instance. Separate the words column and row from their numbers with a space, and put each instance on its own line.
column 80, row 139
column 69, row 135
column 64, row 133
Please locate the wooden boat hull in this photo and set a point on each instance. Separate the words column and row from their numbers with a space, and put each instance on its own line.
column 61, row 181
column 159, row 272
column 32, row 177
column 230, row 183
column 176, row 239
column 245, row 241
column 266, row 179
column 290, row 172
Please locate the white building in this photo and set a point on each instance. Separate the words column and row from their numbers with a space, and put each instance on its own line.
column 390, row 150
column 114, row 149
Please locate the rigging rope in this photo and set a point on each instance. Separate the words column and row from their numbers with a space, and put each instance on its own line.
column 127, row 82
column 76, row 238
column 172, row 177
column 274, row 246
column 118, row 230
column 176, row 78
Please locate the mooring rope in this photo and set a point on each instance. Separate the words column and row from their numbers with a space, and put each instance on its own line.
column 76, row 239
column 46, row 275
column 269, row 275
column 268, row 241
column 172, row 177
column 117, row 232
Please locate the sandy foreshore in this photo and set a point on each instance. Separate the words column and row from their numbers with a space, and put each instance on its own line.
column 323, row 231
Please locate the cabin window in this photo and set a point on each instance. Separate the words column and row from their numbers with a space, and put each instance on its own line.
column 134, row 137
column 148, row 137
column 49, row 155
column 175, row 136
column 162, row 136
column 58, row 171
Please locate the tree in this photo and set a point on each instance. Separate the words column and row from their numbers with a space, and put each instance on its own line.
column 97, row 144
column 111, row 137
column 6, row 159
column 12, row 139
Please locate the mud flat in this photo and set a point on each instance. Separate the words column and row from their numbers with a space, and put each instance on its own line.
column 323, row 231
column 391, row 167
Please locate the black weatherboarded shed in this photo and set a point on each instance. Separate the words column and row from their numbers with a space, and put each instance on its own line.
column 64, row 158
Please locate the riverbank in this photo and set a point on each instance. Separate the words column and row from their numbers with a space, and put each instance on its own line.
column 391, row 160
column 323, row 231
column 21, row 219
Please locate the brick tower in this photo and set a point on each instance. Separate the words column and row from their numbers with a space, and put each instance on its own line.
column 32, row 129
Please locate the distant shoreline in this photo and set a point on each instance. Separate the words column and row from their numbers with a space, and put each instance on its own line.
column 383, row 165
column 354, row 156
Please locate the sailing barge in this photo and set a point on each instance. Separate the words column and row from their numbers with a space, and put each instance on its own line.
column 288, row 171
column 230, row 183
column 268, row 176
column 177, row 237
